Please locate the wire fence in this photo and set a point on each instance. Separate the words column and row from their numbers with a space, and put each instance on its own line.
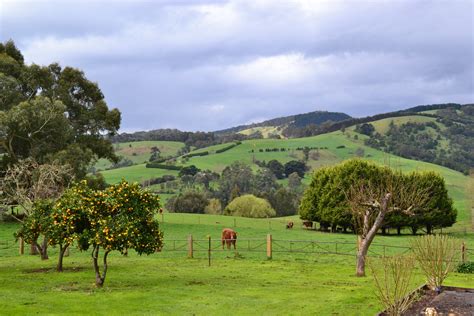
column 281, row 248
column 262, row 248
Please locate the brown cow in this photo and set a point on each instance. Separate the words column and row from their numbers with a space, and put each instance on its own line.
column 229, row 237
column 289, row 225
column 308, row 224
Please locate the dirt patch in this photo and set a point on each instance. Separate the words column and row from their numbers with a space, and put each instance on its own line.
column 451, row 301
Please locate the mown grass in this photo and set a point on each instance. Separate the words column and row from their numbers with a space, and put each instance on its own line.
column 168, row 283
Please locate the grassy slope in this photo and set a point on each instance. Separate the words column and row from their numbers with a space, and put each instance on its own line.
column 381, row 126
column 136, row 173
column 139, row 152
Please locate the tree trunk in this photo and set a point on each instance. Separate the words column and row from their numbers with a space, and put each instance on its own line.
column 62, row 251
column 368, row 235
column 399, row 230
column 44, row 249
column 384, row 231
column 99, row 279
column 429, row 229
column 414, row 229
column 33, row 249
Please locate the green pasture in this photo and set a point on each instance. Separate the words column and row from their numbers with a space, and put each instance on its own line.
column 382, row 125
column 140, row 152
column 136, row 173
column 168, row 283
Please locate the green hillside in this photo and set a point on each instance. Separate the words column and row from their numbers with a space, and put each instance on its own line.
column 139, row 152
column 349, row 143
column 136, row 173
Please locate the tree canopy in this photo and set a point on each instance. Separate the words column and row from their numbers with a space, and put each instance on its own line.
column 52, row 113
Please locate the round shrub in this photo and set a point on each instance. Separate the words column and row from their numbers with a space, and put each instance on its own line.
column 250, row 206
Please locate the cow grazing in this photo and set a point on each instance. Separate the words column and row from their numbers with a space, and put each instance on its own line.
column 308, row 224
column 289, row 225
column 229, row 237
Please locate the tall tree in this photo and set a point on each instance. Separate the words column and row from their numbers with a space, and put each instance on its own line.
column 51, row 113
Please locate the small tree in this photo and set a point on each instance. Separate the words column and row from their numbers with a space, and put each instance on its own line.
column 69, row 219
column 394, row 283
column 37, row 224
column 371, row 201
column 190, row 202
column 121, row 218
column 435, row 256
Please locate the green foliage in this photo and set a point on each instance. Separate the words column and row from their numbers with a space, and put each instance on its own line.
column 285, row 202
column 188, row 202
column 214, row 207
column 276, row 168
column 250, row 206
column 163, row 166
column 295, row 166
column 37, row 224
column 188, row 171
column 466, row 267
column 325, row 200
column 52, row 114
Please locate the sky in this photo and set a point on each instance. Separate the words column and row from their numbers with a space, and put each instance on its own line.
column 209, row 65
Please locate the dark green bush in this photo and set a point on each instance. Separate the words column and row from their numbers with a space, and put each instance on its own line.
column 466, row 267
column 163, row 166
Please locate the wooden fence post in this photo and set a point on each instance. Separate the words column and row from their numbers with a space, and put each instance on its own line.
column 269, row 246
column 209, row 251
column 66, row 253
column 22, row 246
column 235, row 223
column 463, row 252
column 190, row 246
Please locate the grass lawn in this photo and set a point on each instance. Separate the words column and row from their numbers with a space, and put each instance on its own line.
column 168, row 283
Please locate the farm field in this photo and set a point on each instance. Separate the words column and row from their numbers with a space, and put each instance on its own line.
column 136, row 173
column 169, row 283
column 140, row 152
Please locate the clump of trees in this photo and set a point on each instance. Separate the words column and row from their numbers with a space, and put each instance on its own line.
column 119, row 218
column 326, row 201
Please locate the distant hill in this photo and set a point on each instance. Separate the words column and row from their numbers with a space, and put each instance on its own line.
column 441, row 134
column 297, row 121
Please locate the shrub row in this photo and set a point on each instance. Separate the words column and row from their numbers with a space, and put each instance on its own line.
column 162, row 166
column 202, row 153
column 228, row 147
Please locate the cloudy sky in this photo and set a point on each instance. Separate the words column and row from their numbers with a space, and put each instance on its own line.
column 207, row 65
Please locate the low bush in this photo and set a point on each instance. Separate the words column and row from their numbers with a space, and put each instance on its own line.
column 466, row 267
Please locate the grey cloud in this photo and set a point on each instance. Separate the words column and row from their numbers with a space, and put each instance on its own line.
column 213, row 64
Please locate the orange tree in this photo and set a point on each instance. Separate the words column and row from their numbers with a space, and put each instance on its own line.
column 37, row 224
column 121, row 217
column 69, row 220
